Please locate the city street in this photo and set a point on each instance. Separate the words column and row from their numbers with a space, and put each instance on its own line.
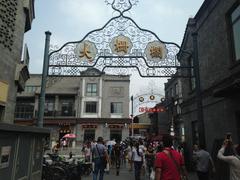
column 117, row 80
column 126, row 175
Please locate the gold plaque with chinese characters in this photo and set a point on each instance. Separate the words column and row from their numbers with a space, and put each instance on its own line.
column 121, row 45
column 86, row 51
column 156, row 51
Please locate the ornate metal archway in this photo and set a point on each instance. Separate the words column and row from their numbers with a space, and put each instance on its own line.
column 119, row 47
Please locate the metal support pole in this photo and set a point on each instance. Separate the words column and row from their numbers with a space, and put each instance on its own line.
column 44, row 80
column 132, row 114
column 200, row 118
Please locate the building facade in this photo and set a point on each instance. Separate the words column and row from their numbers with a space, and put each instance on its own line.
column 173, row 101
column 16, row 17
column 217, row 26
column 160, row 124
column 95, row 104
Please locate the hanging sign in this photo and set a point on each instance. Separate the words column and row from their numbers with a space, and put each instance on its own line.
column 150, row 110
column 155, row 51
column 86, row 51
column 121, row 45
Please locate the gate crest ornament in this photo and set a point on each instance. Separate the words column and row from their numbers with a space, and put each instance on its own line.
column 86, row 51
column 121, row 5
column 119, row 47
column 156, row 51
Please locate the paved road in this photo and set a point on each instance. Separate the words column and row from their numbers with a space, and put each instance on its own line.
column 126, row 175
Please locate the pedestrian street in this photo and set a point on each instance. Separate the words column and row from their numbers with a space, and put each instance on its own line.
column 125, row 174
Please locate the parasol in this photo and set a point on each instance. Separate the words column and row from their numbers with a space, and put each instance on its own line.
column 69, row 136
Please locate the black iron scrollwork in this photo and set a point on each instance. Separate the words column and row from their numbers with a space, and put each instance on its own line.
column 119, row 47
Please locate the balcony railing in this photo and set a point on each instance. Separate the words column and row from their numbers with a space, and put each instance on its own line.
column 23, row 115
column 59, row 113
column 31, row 115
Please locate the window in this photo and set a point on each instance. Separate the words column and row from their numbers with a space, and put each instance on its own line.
column 91, row 107
column 195, row 133
column 91, row 89
column 116, row 107
column 2, row 108
column 235, row 25
column 24, row 109
column 176, row 89
column 30, row 89
column 67, row 107
column 172, row 92
column 192, row 78
column 49, row 107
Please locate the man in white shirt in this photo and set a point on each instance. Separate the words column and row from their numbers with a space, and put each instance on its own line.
column 203, row 161
column 137, row 157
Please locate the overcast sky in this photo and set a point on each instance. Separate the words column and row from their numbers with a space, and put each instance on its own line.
column 71, row 20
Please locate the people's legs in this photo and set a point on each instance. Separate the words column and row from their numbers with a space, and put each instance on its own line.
column 149, row 168
column 130, row 164
column 203, row 175
column 96, row 169
column 137, row 168
column 101, row 171
column 117, row 165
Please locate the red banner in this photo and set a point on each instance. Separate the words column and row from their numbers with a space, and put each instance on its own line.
column 147, row 109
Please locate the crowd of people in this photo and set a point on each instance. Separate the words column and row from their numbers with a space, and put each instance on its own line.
column 159, row 160
column 142, row 157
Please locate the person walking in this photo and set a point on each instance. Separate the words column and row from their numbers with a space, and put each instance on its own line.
column 117, row 156
column 87, row 152
column 150, row 158
column 129, row 155
column 137, row 157
column 232, row 157
column 204, row 163
column 169, row 164
column 100, row 158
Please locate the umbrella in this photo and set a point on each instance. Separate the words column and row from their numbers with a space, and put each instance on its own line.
column 69, row 136
column 111, row 143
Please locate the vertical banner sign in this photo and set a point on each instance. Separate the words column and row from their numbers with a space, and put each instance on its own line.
column 5, row 156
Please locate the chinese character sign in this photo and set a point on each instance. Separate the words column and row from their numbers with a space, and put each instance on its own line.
column 121, row 45
column 86, row 51
column 155, row 51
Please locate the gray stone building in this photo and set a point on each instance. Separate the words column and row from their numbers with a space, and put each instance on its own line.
column 15, row 19
column 172, row 103
column 95, row 104
column 160, row 124
column 21, row 147
column 217, row 24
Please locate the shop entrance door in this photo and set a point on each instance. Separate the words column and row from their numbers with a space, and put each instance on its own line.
column 116, row 134
column 89, row 135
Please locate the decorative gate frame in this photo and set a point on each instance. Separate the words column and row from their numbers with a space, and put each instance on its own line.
column 75, row 57
column 117, row 48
